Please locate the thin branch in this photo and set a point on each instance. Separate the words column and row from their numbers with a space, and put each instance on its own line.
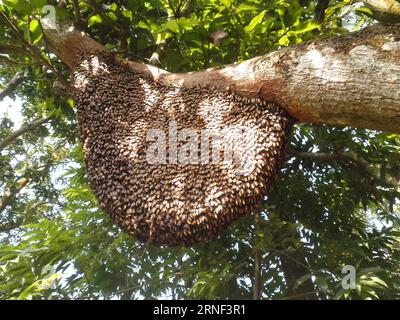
column 13, row 49
column 33, row 50
column 320, row 10
column 104, row 16
column 9, row 195
column 79, row 23
column 4, row 59
column 257, row 289
column 159, row 53
column 10, row 226
column 283, row 253
column 383, row 10
column 299, row 296
column 24, row 129
column 348, row 156
column 12, row 85
column 171, row 6
column 26, row 177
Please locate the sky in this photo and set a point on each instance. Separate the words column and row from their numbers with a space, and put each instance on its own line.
column 12, row 109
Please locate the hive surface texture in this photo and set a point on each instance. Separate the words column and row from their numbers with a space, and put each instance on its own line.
column 174, row 165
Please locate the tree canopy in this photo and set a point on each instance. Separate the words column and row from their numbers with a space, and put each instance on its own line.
column 335, row 204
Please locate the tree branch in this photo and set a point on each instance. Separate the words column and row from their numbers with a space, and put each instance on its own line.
column 35, row 53
column 13, row 49
column 257, row 287
column 24, row 129
column 378, row 173
column 27, row 176
column 97, row 8
column 12, row 85
column 79, row 23
column 295, row 266
column 322, row 5
column 4, row 59
column 358, row 74
column 10, row 226
column 384, row 10
column 9, row 195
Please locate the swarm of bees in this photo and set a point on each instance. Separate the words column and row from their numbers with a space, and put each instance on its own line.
column 173, row 201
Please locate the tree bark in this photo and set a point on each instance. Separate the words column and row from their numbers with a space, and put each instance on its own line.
column 351, row 80
column 384, row 10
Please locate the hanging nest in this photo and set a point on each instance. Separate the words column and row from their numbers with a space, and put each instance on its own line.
column 174, row 202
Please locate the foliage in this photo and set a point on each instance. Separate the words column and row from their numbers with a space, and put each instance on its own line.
column 320, row 215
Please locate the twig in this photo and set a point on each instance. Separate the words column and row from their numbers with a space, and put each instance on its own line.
column 300, row 295
column 12, row 85
column 10, row 194
column 78, row 17
column 348, row 156
column 257, row 259
column 24, row 129
column 6, row 47
column 34, row 51
column 105, row 18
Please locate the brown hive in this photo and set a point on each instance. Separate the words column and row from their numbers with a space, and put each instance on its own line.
column 170, row 203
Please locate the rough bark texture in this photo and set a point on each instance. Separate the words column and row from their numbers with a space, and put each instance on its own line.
column 352, row 80
column 384, row 10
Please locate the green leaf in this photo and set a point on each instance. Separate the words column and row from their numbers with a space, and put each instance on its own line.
column 36, row 31
column 20, row 6
column 255, row 22
column 134, row 5
column 93, row 20
column 127, row 14
column 247, row 6
column 27, row 293
column 340, row 294
column 305, row 27
column 373, row 282
column 365, row 10
column 172, row 25
column 38, row 4
column 226, row 3
column 284, row 40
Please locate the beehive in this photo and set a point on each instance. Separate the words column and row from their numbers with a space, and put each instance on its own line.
column 175, row 202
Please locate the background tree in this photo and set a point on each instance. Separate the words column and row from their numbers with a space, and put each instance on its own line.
column 336, row 202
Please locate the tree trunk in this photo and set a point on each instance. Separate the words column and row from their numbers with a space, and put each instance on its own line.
column 352, row 80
